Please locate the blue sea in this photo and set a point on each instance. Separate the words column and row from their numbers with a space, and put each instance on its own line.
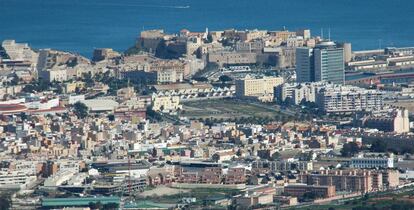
column 82, row 25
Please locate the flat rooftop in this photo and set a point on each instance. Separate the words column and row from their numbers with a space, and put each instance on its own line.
column 182, row 86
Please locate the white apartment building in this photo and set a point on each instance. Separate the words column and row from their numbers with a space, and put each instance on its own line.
column 345, row 99
column 372, row 162
column 168, row 76
column 165, row 103
column 59, row 178
column 295, row 93
column 19, row 51
column 16, row 180
column 58, row 75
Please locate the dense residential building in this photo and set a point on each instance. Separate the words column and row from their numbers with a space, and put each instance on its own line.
column 103, row 54
column 301, row 189
column 283, row 165
column 372, row 161
column 19, row 51
column 352, row 180
column 343, row 99
column 17, row 180
column 165, row 103
column 184, row 114
column 248, row 200
column 168, row 76
column 232, row 58
column 296, row 93
column 397, row 121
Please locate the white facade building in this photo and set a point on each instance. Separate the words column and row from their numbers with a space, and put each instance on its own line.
column 372, row 162
column 343, row 99
column 16, row 180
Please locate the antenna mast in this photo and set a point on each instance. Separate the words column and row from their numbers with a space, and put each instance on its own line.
column 329, row 34
column 322, row 33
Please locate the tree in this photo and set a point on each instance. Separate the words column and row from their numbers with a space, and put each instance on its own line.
column 23, row 116
column 111, row 117
column 350, row 149
column 200, row 79
column 209, row 38
column 225, row 78
column 275, row 156
column 110, row 206
column 239, row 153
column 379, row 146
column 97, row 205
column 5, row 202
column 215, row 157
column 81, row 110
column 309, row 196
column 87, row 78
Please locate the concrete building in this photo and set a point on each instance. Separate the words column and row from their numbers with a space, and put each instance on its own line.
column 372, row 161
column 295, row 93
column 255, row 87
column 59, row 178
column 397, row 121
column 100, row 105
column 149, row 40
column 181, row 67
column 347, row 52
column 19, row 51
column 104, row 53
column 355, row 180
column 305, row 70
column 16, row 180
column 329, row 63
column 323, row 63
column 165, row 103
column 283, row 165
column 305, row 33
column 367, row 65
column 283, row 35
column 346, row 99
column 224, row 58
column 168, row 76
column 55, row 75
column 299, row 190
column 248, row 200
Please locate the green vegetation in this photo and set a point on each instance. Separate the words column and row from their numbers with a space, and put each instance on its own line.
column 99, row 205
column 133, row 51
column 5, row 202
column 81, row 110
column 275, row 156
column 219, row 110
column 200, row 79
column 350, row 149
column 379, row 146
column 373, row 201
column 209, row 67
column 199, row 193
column 153, row 116
column 139, row 84
column 224, row 79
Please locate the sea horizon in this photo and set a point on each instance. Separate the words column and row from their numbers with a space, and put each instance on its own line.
column 71, row 26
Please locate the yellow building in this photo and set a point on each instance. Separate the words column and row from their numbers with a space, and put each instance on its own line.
column 257, row 87
column 71, row 87
column 165, row 103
